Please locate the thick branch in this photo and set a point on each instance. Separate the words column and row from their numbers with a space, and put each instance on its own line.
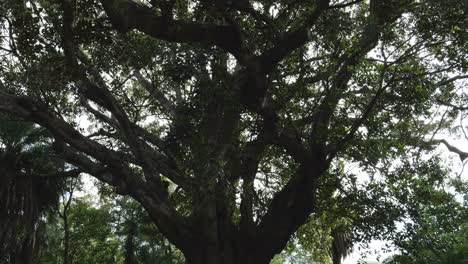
column 110, row 168
column 85, row 164
column 463, row 155
column 96, row 90
column 126, row 15
column 26, row 108
column 171, row 224
column 343, row 5
column 65, row 174
column 290, row 207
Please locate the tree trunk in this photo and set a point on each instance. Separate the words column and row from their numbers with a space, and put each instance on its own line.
column 26, row 255
column 210, row 256
column 336, row 259
column 66, row 239
column 243, row 253
column 130, row 243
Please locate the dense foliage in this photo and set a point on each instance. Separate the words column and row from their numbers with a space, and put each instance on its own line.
column 247, row 127
column 30, row 185
column 105, row 231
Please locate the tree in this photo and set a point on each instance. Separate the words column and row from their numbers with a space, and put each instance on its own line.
column 109, row 230
column 231, row 122
column 142, row 243
column 455, row 251
column 66, row 201
column 438, row 230
column 29, row 187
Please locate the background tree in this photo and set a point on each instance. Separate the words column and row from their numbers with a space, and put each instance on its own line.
column 30, row 184
column 100, row 231
column 435, row 231
column 141, row 241
column 252, row 110
column 63, row 212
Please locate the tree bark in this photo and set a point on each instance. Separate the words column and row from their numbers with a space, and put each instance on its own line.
column 66, row 227
column 130, row 243
column 203, row 254
column 66, row 239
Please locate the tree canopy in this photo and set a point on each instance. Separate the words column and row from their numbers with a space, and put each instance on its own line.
column 234, row 123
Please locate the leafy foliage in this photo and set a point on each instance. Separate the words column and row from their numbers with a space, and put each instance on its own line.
column 234, row 123
column 29, row 187
column 99, row 232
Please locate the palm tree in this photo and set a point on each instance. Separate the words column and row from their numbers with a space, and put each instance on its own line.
column 342, row 243
column 29, row 186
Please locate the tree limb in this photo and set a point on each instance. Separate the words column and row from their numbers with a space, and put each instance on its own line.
column 96, row 90
column 463, row 155
column 343, row 5
column 126, row 15
column 291, row 206
column 110, row 168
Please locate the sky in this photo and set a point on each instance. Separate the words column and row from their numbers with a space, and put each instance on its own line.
column 375, row 247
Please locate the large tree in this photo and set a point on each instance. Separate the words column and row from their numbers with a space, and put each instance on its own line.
column 231, row 122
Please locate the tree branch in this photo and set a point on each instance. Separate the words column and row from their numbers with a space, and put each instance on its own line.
column 291, row 206
column 126, row 15
column 26, row 108
column 343, row 5
column 110, row 168
column 96, row 90
column 377, row 20
column 463, row 155
column 65, row 174
column 251, row 157
column 365, row 114
column 292, row 40
column 155, row 93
